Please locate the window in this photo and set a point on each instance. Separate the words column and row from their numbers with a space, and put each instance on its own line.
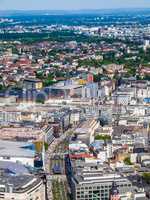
column 6, row 157
column 2, row 189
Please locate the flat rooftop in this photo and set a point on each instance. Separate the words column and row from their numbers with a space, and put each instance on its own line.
column 16, row 149
column 13, row 168
column 65, row 87
column 19, row 183
column 103, row 177
column 85, row 126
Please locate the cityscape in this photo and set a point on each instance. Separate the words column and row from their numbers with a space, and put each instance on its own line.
column 75, row 103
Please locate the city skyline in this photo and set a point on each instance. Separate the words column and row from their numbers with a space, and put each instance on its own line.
column 71, row 5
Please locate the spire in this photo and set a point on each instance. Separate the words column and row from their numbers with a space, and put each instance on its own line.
column 114, row 192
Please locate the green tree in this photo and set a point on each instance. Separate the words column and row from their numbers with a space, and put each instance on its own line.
column 127, row 161
column 146, row 177
column 46, row 146
column 103, row 137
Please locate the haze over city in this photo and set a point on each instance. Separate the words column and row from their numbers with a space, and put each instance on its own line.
column 71, row 4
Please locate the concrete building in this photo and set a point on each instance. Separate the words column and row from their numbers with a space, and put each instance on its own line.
column 30, row 84
column 64, row 89
column 21, row 132
column 8, row 117
column 22, row 187
column 8, row 100
column 85, row 131
column 62, row 117
column 74, row 117
column 96, row 183
column 90, row 90
column 109, row 149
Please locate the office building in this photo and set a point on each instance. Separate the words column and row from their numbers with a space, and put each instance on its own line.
column 97, row 182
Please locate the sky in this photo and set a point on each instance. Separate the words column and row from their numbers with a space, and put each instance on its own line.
column 71, row 4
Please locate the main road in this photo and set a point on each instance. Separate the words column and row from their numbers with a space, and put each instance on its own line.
column 55, row 155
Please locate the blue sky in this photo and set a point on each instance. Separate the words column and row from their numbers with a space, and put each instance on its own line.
column 71, row 4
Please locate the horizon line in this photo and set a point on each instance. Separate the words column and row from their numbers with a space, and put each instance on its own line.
column 82, row 9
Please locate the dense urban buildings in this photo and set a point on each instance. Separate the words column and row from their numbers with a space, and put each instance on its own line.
column 75, row 105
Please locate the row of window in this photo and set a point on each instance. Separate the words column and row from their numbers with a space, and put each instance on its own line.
column 100, row 191
column 102, row 187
